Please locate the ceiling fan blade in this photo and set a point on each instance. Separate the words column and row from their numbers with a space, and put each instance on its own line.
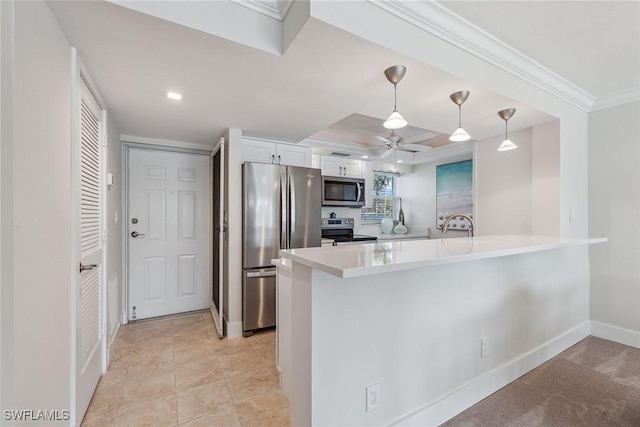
column 381, row 139
column 387, row 153
column 415, row 147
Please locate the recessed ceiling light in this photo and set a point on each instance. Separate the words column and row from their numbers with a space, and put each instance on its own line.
column 174, row 95
column 365, row 157
column 399, row 161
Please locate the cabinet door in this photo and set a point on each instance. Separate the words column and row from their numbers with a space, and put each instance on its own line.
column 315, row 161
column 293, row 155
column 258, row 151
column 352, row 168
column 367, row 174
column 331, row 166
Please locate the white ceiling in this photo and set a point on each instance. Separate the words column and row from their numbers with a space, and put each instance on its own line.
column 325, row 76
column 593, row 44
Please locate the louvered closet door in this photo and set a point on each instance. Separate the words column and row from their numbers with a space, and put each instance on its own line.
column 89, row 297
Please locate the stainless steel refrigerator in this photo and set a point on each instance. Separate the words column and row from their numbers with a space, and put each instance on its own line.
column 281, row 210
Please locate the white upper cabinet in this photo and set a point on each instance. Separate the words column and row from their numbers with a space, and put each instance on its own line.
column 338, row 166
column 255, row 150
column 293, row 155
column 258, row 151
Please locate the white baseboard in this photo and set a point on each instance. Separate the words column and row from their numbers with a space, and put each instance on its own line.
column 234, row 330
column 467, row 395
column 616, row 334
column 113, row 336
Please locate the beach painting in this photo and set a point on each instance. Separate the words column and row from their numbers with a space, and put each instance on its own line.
column 454, row 193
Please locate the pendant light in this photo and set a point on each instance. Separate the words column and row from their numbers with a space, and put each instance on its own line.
column 506, row 115
column 460, row 134
column 394, row 75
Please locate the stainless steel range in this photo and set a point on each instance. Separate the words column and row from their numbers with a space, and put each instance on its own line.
column 341, row 231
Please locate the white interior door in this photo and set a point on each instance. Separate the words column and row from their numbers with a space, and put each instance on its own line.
column 88, row 310
column 217, row 297
column 168, row 232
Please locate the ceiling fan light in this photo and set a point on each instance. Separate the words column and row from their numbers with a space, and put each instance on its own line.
column 459, row 135
column 395, row 121
column 507, row 145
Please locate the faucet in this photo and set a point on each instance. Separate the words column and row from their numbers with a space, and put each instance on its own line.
column 472, row 227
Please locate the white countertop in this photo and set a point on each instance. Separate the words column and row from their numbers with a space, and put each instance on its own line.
column 407, row 235
column 372, row 258
column 282, row 263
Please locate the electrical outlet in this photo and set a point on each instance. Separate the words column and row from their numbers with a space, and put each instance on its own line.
column 373, row 397
column 484, row 346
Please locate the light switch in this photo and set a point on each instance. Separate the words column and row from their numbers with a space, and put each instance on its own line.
column 109, row 179
column 115, row 217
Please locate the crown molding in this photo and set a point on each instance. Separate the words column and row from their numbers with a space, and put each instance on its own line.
column 441, row 22
column 274, row 9
column 284, row 6
column 618, row 98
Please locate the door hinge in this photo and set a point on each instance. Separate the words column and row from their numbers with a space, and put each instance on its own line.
column 104, row 329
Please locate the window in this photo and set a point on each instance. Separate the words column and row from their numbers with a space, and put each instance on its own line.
column 385, row 202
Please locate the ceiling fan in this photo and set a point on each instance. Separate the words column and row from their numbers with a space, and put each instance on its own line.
column 396, row 142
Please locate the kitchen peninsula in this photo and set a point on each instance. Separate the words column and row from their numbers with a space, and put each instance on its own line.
column 408, row 317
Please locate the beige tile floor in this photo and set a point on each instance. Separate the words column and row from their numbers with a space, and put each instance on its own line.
column 176, row 372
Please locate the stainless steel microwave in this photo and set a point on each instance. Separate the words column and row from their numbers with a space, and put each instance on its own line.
column 341, row 191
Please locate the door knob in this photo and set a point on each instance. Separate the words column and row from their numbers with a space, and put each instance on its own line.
column 136, row 234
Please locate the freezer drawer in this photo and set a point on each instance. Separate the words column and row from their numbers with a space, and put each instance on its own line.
column 258, row 299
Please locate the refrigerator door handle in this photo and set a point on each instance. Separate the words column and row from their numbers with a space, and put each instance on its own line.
column 292, row 211
column 262, row 274
column 284, row 238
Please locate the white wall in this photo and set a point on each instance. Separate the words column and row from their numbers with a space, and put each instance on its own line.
column 41, row 247
column 614, row 210
column 114, row 231
column 233, row 267
column 418, row 192
column 545, row 178
column 503, row 185
column 6, row 204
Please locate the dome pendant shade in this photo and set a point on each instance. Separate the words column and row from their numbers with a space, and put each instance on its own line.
column 394, row 75
column 506, row 115
column 460, row 134
column 395, row 121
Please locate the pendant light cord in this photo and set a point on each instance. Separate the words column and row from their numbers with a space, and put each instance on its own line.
column 395, row 95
